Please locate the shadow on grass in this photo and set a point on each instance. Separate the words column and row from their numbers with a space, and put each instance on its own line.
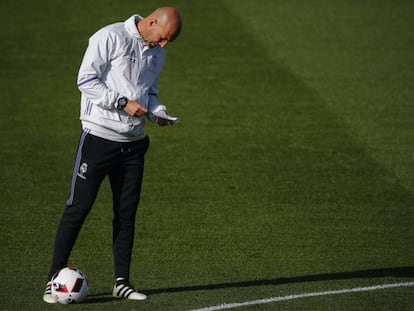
column 360, row 274
column 401, row 272
column 100, row 298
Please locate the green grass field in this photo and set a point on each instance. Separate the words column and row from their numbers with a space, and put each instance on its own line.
column 291, row 170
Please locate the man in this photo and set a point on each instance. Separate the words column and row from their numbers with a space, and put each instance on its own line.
column 118, row 81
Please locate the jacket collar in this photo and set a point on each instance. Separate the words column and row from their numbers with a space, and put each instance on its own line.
column 131, row 26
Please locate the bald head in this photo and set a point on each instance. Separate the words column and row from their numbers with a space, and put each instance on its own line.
column 160, row 27
column 168, row 17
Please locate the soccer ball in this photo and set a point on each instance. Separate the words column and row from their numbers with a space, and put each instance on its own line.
column 69, row 285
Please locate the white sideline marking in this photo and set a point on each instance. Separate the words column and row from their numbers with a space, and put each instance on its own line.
column 304, row 295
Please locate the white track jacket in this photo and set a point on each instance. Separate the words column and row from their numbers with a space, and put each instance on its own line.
column 117, row 63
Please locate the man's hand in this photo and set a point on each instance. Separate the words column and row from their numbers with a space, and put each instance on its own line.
column 134, row 109
column 164, row 122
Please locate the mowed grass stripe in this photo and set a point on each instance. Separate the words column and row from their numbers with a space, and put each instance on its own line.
column 357, row 55
column 284, row 160
column 270, row 165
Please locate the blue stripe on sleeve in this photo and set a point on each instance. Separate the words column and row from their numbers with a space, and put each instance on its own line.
column 87, row 80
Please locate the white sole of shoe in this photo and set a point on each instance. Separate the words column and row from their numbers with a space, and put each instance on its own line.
column 48, row 298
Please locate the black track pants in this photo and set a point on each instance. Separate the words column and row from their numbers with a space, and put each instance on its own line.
column 97, row 158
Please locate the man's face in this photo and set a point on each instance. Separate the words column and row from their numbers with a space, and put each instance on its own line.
column 158, row 35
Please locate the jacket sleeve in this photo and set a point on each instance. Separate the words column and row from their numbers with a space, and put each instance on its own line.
column 92, row 70
column 153, row 103
column 153, row 98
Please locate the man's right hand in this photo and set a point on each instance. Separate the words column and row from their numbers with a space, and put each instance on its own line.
column 135, row 109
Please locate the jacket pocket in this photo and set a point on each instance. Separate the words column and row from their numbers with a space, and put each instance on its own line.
column 117, row 126
column 110, row 119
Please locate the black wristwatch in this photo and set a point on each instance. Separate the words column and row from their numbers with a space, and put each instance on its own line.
column 121, row 103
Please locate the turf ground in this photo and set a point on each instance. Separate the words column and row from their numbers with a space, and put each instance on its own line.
column 290, row 172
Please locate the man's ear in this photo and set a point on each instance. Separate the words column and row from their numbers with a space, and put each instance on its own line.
column 153, row 21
